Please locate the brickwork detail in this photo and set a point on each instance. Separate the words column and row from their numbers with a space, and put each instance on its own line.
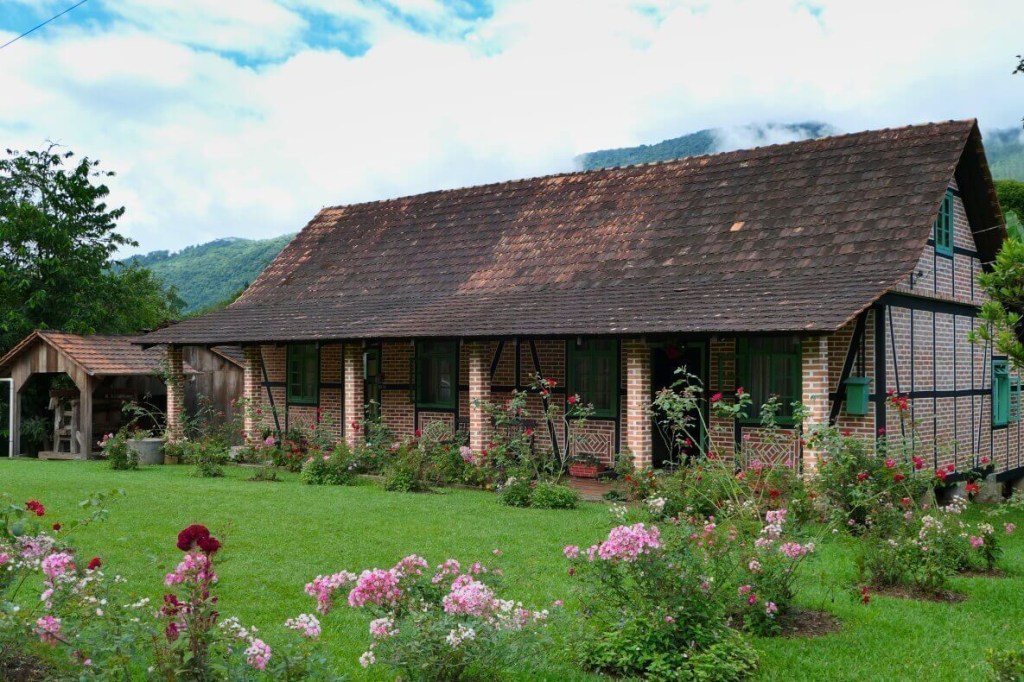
column 355, row 403
column 815, row 385
column 639, row 432
column 175, row 393
column 252, row 392
column 478, row 374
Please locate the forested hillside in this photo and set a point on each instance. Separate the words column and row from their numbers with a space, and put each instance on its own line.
column 207, row 274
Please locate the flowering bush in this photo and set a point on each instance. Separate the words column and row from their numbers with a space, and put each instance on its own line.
column 656, row 601
column 108, row 634
column 442, row 624
column 119, row 455
column 337, row 468
column 548, row 495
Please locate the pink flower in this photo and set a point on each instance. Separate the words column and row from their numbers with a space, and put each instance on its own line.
column 306, row 623
column 258, row 654
column 449, row 567
column 669, row 619
column 56, row 565
column 382, row 628
column 1008, row 527
column 627, row 543
column 470, row 597
column 48, row 630
column 890, row 463
column 324, row 586
column 496, row 552
column 377, row 587
column 571, row 551
column 557, row 603
column 977, row 542
column 795, row 550
column 367, row 659
column 771, row 609
column 410, row 565
column 745, row 589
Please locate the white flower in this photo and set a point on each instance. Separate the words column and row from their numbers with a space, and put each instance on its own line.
column 367, row 659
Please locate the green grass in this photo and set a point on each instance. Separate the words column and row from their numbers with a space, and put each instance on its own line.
column 280, row 535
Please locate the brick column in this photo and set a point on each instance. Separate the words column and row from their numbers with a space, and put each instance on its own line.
column 175, row 393
column 814, row 393
column 354, row 400
column 252, row 391
column 639, row 433
column 479, row 391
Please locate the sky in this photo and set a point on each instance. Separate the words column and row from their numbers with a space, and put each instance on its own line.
column 242, row 118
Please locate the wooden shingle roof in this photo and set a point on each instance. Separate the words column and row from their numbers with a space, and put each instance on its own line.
column 96, row 355
column 794, row 237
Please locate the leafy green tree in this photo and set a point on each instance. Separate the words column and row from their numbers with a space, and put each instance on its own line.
column 1004, row 310
column 1011, row 195
column 57, row 236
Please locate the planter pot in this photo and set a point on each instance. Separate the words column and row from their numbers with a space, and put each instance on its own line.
column 579, row 470
column 170, row 459
column 148, row 450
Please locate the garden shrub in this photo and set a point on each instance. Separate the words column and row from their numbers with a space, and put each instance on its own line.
column 548, row 495
column 1006, row 665
column 118, row 454
column 446, row 624
column 516, row 492
column 337, row 468
column 407, row 471
column 207, row 457
column 657, row 602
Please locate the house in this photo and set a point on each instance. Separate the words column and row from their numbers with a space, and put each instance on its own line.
column 101, row 374
column 827, row 271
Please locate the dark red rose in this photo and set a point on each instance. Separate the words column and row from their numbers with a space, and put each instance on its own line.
column 209, row 545
column 36, row 507
column 94, row 563
column 56, row 527
column 188, row 537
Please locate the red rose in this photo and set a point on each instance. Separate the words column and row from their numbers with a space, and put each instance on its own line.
column 984, row 460
column 418, row 433
column 773, row 493
column 972, row 488
column 881, row 431
column 36, row 507
column 94, row 563
column 209, row 545
column 572, row 400
column 188, row 538
column 739, row 392
column 717, row 397
column 863, row 476
column 56, row 527
column 950, row 468
column 898, row 477
column 918, row 463
column 864, row 596
column 905, row 501
column 941, row 475
column 572, row 571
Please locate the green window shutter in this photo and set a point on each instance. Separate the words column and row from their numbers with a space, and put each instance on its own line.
column 944, row 226
column 593, row 373
column 770, row 366
column 1000, row 393
column 303, row 376
column 436, row 377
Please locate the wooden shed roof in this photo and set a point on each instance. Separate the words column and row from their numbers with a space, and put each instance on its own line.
column 96, row 355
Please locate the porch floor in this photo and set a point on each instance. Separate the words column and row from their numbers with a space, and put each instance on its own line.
column 590, row 489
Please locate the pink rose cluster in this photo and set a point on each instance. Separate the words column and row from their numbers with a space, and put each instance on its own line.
column 624, row 543
column 377, row 587
column 305, row 623
column 195, row 568
column 323, row 588
column 794, row 550
column 469, row 597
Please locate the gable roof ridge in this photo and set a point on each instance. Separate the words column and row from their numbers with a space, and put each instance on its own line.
column 682, row 160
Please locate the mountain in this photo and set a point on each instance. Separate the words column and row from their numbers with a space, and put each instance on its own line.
column 1004, row 148
column 707, row 141
column 210, row 273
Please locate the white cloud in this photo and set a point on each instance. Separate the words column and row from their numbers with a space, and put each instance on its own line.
column 206, row 146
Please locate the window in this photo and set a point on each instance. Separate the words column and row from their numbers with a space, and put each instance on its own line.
column 303, row 374
column 435, row 374
column 944, row 226
column 594, row 374
column 770, row 366
column 372, row 382
column 1005, row 395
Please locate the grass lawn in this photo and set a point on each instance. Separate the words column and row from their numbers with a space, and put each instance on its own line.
column 278, row 536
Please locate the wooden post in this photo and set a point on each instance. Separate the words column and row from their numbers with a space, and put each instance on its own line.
column 16, row 417
column 86, row 386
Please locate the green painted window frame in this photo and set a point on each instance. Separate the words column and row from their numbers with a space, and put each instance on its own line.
column 303, row 374
column 429, row 354
column 1001, row 393
column 593, row 353
column 944, row 225
column 747, row 352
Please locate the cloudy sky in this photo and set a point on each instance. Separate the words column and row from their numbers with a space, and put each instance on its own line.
column 243, row 117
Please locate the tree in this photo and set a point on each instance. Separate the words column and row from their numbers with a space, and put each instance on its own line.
column 57, row 236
